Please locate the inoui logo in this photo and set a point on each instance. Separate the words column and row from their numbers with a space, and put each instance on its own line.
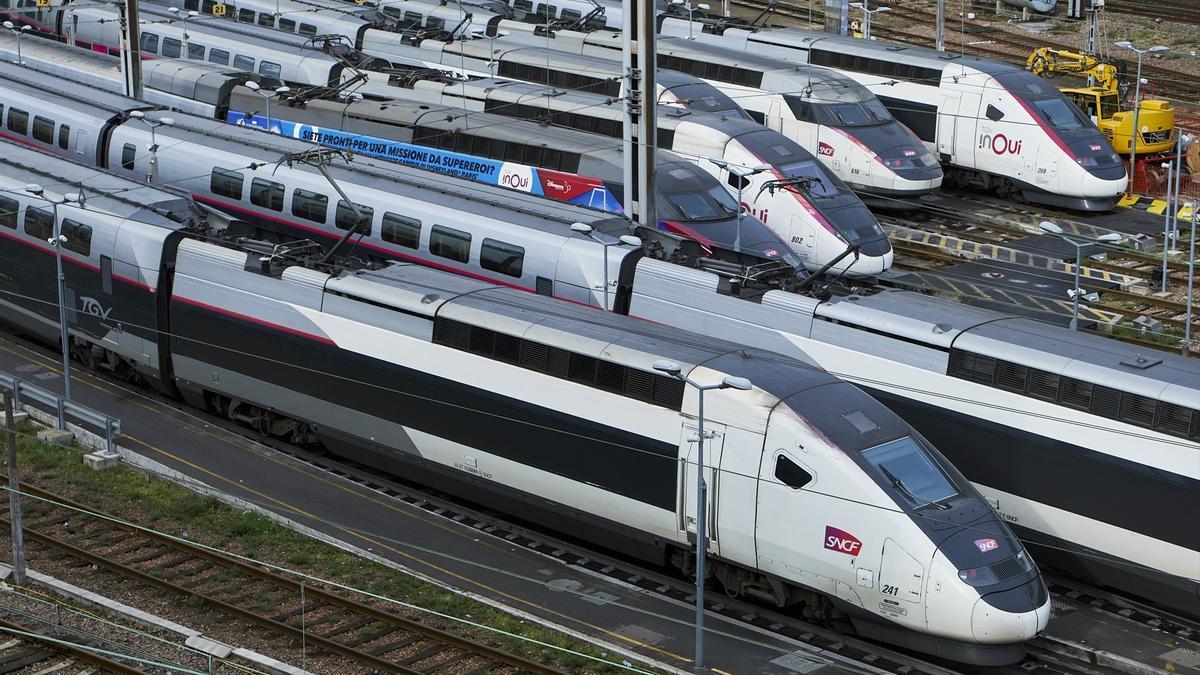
column 841, row 541
column 1000, row 144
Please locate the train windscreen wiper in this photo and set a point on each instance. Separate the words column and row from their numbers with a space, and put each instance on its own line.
column 904, row 489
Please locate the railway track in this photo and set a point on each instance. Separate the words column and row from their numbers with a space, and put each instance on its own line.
column 24, row 649
column 1165, row 11
column 326, row 622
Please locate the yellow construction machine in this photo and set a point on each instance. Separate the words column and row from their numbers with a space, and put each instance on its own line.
column 1102, row 102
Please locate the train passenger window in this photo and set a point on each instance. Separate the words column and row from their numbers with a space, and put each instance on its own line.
column 344, row 217
column 993, row 113
column 8, row 212
column 498, row 256
column 288, row 25
column 571, row 15
column 243, row 63
column 39, row 223
column 128, row 156
column 18, row 121
column 78, row 237
column 412, row 19
column 171, row 48
column 64, row 137
column 523, row 5
column 267, row 194
column 310, row 205
column 193, row 5
column 267, row 20
column 207, row 6
column 245, row 15
column 308, row 29
column 230, row 12
column 195, row 51
column 435, row 23
column 445, row 242
column 218, row 56
column 268, row 69
column 43, row 130
column 401, row 230
column 1, row 112
column 226, row 183
column 149, row 43
column 790, row 474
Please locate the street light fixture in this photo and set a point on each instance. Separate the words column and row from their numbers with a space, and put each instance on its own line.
column 57, row 241
column 267, row 95
column 627, row 239
column 867, row 13
column 675, row 370
column 191, row 13
column 154, row 124
column 1137, row 105
column 1057, row 231
column 743, row 174
column 491, row 48
column 18, row 32
column 690, row 9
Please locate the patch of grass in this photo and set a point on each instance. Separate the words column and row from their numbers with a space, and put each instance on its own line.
column 139, row 497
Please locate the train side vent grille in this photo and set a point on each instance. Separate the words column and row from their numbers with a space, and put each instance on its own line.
column 1011, row 376
column 1106, row 402
column 452, row 334
column 1076, row 393
column 1138, row 410
column 1043, row 385
column 639, row 384
column 972, row 367
column 1175, row 419
column 1007, row 569
column 668, row 392
column 544, row 286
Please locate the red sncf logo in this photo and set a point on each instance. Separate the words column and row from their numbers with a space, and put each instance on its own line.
column 841, row 541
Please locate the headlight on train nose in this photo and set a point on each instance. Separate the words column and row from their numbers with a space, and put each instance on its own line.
column 980, row 576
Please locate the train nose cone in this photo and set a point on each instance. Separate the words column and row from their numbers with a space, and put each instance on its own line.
column 1013, row 615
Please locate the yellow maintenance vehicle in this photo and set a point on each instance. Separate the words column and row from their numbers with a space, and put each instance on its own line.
column 1102, row 102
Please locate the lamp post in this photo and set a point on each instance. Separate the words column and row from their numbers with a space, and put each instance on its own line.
column 185, row 16
column 267, row 95
column 1057, row 231
column 867, row 12
column 491, row 48
column 57, row 241
column 674, row 370
column 154, row 124
column 743, row 174
column 18, row 32
column 690, row 8
column 1137, row 107
column 627, row 239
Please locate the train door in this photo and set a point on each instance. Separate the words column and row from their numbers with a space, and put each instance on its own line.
column 947, row 125
column 901, row 580
column 967, row 126
column 775, row 116
column 1046, row 174
column 714, row 442
column 802, row 235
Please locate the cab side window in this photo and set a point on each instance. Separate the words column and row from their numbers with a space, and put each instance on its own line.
column 790, row 473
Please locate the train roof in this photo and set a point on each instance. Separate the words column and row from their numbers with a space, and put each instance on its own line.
column 468, row 196
column 1029, row 342
column 889, row 51
column 257, row 37
column 98, row 190
column 89, row 97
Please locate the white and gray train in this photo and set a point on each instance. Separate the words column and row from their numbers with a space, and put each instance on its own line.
column 826, row 112
column 475, row 388
column 995, row 125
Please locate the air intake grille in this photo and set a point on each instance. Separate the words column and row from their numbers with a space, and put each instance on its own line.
column 1007, row 569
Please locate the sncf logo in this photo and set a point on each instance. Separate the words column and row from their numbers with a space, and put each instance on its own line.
column 841, row 541
column 824, row 149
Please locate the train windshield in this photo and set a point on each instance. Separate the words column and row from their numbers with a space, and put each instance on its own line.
column 907, row 466
column 691, row 194
column 820, row 183
column 861, row 114
column 1044, row 100
column 707, row 98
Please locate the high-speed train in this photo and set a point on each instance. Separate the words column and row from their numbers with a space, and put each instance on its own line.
column 827, row 113
column 997, row 126
column 781, row 183
column 513, row 238
column 559, row 164
column 475, row 388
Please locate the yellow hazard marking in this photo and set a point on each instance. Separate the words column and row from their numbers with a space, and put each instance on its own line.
column 1128, row 200
column 1157, row 206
